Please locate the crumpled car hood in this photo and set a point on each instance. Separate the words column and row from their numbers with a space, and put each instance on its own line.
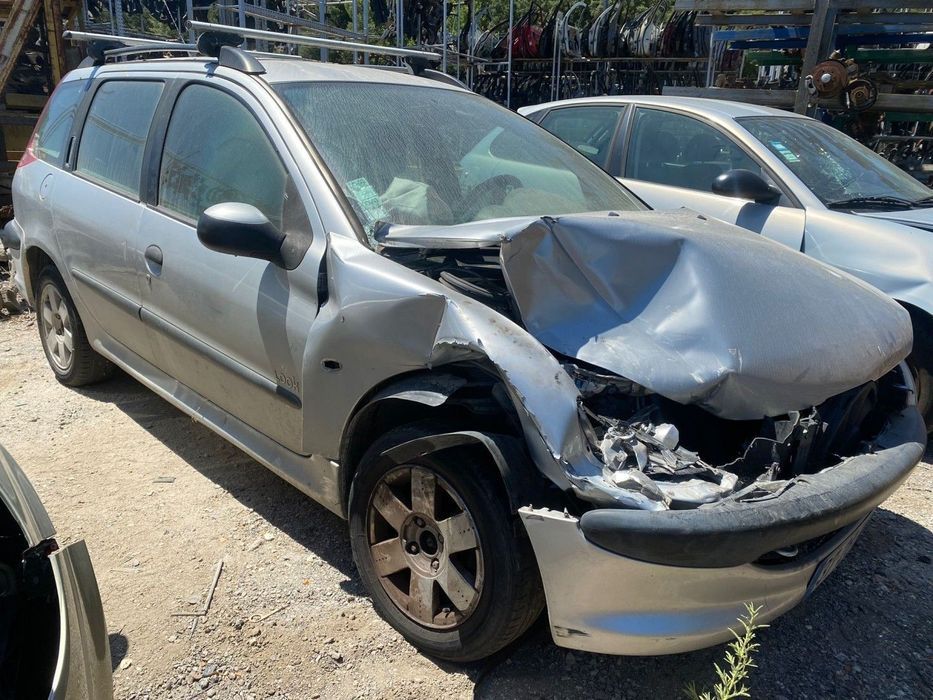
column 694, row 309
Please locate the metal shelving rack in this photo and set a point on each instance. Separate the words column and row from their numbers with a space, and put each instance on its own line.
column 818, row 27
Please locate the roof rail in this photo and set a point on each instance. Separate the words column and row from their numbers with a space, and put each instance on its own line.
column 416, row 55
column 219, row 45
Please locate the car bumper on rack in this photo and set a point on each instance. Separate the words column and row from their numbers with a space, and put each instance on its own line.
column 644, row 583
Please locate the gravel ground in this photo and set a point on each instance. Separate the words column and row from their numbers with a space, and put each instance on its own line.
column 161, row 500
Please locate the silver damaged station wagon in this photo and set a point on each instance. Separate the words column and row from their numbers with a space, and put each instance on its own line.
column 521, row 387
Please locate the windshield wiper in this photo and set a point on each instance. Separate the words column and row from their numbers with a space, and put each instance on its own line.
column 880, row 201
column 923, row 201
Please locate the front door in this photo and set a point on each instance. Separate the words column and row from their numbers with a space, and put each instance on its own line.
column 232, row 329
column 671, row 160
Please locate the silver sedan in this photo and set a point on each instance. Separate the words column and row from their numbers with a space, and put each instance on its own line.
column 783, row 175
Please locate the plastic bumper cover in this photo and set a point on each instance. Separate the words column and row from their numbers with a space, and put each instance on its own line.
column 602, row 602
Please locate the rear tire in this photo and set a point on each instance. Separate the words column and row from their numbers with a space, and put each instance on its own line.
column 67, row 349
column 459, row 597
column 920, row 362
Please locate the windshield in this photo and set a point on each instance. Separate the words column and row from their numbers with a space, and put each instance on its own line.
column 835, row 167
column 427, row 156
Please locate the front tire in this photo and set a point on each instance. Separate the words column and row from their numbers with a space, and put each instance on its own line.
column 920, row 362
column 61, row 331
column 444, row 560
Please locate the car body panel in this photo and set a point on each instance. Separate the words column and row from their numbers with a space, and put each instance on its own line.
column 84, row 664
column 83, row 669
column 779, row 223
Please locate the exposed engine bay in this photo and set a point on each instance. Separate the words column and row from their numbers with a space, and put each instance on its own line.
column 706, row 372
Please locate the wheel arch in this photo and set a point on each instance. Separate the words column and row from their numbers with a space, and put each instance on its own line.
column 459, row 405
column 35, row 258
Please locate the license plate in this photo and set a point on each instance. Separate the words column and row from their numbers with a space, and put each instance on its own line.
column 829, row 564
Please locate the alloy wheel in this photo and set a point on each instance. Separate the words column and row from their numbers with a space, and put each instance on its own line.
column 425, row 547
column 58, row 327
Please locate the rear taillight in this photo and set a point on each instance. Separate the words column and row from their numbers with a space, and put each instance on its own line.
column 29, row 155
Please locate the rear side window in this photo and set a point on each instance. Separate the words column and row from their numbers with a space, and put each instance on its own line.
column 589, row 129
column 115, row 131
column 216, row 151
column 54, row 127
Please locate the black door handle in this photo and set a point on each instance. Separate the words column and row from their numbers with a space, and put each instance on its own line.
column 154, row 255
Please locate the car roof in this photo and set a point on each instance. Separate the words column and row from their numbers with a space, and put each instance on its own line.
column 699, row 105
column 278, row 70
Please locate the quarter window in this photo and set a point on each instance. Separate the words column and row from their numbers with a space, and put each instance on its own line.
column 588, row 129
column 54, row 127
column 674, row 149
column 215, row 151
column 115, row 132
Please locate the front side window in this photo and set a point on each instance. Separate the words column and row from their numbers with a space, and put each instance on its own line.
column 215, row 151
column 589, row 128
column 431, row 156
column 54, row 126
column 115, row 132
column 680, row 151
column 833, row 166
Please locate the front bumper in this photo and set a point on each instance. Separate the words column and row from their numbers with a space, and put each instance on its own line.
column 602, row 602
column 642, row 583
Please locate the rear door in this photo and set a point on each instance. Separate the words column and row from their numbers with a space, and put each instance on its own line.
column 97, row 209
column 233, row 329
column 670, row 160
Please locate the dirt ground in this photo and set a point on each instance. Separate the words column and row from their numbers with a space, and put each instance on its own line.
column 161, row 500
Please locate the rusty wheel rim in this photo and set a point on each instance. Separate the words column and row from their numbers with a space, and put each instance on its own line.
column 425, row 548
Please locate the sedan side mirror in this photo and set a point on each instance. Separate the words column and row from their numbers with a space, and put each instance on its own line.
column 747, row 185
column 240, row 229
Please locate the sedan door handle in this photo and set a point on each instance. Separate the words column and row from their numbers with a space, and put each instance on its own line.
column 153, row 257
column 154, row 254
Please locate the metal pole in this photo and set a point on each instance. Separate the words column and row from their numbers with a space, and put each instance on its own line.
column 189, row 8
column 113, row 26
column 118, row 10
column 444, row 39
column 242, row 14
column 366, row 28
column 400, row 25
column 322, row 18
column 508, row 77
column 356, row 56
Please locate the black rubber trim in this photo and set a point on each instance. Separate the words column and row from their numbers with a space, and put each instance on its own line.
column 228, row 363
column 732, row 534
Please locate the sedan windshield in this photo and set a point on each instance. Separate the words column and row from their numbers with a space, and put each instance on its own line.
column 838, row 170
column 429, row 156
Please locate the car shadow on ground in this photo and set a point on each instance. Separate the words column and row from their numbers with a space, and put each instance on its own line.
column 861, row 634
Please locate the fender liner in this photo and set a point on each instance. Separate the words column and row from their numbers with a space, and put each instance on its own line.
column 506, row 452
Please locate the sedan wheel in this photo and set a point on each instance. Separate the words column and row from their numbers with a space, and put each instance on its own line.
column 444, row 558
column 57, row 327
column 425, row 548
column 70, row 355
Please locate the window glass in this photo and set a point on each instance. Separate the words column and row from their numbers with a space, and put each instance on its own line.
column 423, row 155
column 215, row 151
column 54, row 127
column 588, row 129
column 835, row 167
column 115, row 131
column 677, row 150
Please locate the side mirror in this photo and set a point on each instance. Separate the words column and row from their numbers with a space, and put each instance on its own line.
column 747, row 185
column 240, row 229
